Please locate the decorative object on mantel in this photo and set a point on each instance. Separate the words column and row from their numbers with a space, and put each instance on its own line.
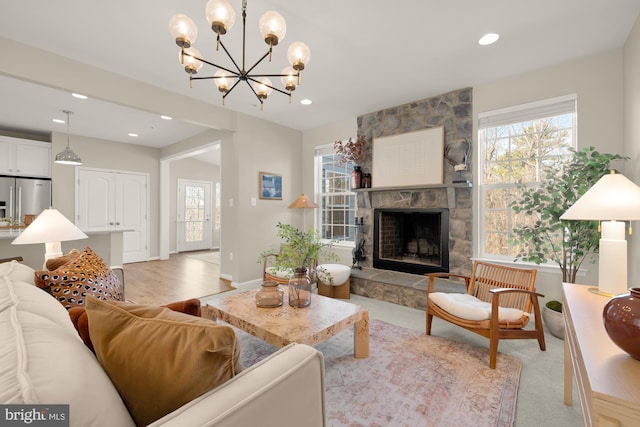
column 458, row 152
column 621, row 316
column 68, row 156
column 221, row 17
column 575, row 240
column 356, row 177
column 351, row 151
column 359, row 253
column 612, row 200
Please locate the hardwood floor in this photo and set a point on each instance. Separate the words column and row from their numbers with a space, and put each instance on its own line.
column 180, row 277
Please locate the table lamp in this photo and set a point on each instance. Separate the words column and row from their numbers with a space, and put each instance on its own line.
column 612, row 200
column 303, row 202
column 50, row 228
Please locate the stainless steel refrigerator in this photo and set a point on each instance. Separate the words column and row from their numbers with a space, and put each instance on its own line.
column 23, row 196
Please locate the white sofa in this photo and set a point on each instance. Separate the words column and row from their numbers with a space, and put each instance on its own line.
column 44, row 361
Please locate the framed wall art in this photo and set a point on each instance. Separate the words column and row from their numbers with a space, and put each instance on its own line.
column 270, row 186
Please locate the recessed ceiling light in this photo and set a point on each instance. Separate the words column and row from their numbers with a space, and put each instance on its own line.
column 488, row 39
column 133, row 134
column 306, row 102
column 166, row 117
column 58, row 121
column 79, row 96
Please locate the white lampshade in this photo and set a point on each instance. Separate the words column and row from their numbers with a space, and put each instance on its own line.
column 613, row 197
column 51, row 228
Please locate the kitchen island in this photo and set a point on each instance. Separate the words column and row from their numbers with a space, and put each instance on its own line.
column 107, row 244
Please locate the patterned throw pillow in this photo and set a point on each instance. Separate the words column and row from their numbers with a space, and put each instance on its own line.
column 87, row 274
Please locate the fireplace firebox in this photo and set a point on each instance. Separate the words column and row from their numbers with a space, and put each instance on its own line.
column 411, row 240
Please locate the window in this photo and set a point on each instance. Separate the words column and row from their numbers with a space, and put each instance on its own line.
column 518, row 146
column 337, row 212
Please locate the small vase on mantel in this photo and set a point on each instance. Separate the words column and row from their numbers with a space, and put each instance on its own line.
column 300, row 289
column 356, row 177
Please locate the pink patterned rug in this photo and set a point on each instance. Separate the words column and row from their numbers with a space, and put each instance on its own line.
column 410, row 379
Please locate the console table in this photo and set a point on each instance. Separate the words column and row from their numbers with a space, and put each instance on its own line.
column 607, row 378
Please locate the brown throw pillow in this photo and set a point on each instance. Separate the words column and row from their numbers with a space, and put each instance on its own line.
column 87, row 274
column 78, row 316
column 55, row 263
column 160, row 359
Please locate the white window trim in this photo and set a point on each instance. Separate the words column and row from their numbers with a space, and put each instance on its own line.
column 515, row 114
column 318, row 151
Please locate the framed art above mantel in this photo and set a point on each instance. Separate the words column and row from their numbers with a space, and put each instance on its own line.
column 411, row 159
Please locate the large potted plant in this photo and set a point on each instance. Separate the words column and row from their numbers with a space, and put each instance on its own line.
column 543, row 237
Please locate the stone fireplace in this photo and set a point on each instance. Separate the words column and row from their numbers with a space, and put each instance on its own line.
column 411, row 240
column 381, row 277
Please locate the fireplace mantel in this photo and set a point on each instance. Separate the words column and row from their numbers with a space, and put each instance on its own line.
column 414, row 187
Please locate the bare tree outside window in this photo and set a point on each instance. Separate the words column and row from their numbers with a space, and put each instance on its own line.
column 513, row 154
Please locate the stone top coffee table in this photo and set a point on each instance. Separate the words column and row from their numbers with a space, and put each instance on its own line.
column 283, row 325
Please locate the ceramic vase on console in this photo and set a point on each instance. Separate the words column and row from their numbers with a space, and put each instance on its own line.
column 300, row 289
column 621, row 316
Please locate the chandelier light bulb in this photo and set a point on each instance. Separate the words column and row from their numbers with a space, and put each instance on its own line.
column 263, row 89
column 272, row 27
column 289, row 78
column 299, row 55
column 191, row 65
column 220, row 15
column 183, row 30
column 222, row 80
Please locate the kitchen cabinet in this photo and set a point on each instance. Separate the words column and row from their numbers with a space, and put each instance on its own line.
column 23, row 157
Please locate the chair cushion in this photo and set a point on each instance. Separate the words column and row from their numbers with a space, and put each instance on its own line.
column 469, row 307
column 160, row 359
column 280, row 273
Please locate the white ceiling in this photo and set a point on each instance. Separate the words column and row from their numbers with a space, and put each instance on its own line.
column 366, row 55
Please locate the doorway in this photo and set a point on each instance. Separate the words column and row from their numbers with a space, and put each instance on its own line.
column 194, row 225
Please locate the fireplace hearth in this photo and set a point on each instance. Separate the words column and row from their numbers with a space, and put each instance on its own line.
column 411, row 240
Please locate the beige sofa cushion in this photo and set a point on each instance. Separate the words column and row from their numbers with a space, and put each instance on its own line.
column 43, row 361
column 159, row 359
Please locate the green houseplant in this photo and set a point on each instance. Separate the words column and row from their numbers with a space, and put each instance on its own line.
column 547, row 238
column 301, row 249
column 544, row 237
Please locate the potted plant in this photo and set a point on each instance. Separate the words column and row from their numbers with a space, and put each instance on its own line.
column 547, row 238
column 297, row 258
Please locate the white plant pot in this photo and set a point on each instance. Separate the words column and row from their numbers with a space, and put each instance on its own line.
column 554, row 322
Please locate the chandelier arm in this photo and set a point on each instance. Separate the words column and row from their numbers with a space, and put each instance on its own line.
column 262, row 83
column 240, row 70
column 258, row 62
column 232, row 87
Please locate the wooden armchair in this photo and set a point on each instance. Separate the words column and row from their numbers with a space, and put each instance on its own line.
column 497, row 305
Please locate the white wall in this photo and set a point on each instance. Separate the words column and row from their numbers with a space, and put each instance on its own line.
column 632, row 134
column 597, row 81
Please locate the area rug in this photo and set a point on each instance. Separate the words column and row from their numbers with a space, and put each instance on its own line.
column 409, row 379
column 211, row 257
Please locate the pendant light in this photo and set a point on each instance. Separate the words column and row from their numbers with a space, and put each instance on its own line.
column 68, row 157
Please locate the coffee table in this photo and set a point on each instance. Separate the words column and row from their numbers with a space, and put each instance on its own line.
column 280, row 326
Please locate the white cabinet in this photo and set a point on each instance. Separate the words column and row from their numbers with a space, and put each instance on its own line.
column 108, row 200
column 22, row 157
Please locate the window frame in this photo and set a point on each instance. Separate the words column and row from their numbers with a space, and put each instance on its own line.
column 319, row 153
column 506, row 117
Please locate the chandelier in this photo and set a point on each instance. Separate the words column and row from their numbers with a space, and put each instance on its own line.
column 221, row 17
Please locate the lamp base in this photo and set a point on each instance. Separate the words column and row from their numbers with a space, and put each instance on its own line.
column 599, row 292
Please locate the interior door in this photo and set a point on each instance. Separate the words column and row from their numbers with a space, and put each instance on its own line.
column 131, row 214
column 194, row 226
